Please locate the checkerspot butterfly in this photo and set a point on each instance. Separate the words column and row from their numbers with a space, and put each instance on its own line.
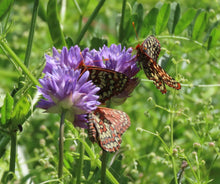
column 147, row 54
column 111, row 83
column 106, row 127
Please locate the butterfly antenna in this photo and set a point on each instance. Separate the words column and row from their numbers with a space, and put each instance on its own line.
column 135, row 30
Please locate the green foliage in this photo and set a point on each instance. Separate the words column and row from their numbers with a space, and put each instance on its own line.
column 96, row 43
column 5, row 6
column 20, row 111
column 54, row 25
column 214, row 37
column 185, row 20
column 149, row 22
column 174, row 17
column 6, row 109
column 199, row 25
column 162, row 18
column 165, row 129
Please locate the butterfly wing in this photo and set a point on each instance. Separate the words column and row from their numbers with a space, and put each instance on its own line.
column 118, row 118
column 156, row 73
column 147, row 55
column 110, row 82
column 105, row 129
column 151, row 47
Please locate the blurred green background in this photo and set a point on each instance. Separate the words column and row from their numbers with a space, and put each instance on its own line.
column 193, row 110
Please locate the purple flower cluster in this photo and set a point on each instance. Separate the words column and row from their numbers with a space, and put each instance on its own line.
column 65, row 88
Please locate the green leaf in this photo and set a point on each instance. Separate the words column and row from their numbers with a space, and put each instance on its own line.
column 149, row 22
column 7, row 108
column 211, row 27
column 174, row 17
column 214, row 37
column 129, row 30
column 5, row 6
column 190, row 27
column 20, row 111
column 139, row 11
column 42, row 11
column 69, row 42
column 162, row 18
column 86, row 168
column 96, row 43
column 54, row 25
column 185, row 21
column 200, row 25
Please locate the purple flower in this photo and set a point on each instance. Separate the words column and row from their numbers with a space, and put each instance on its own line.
column 64, row 89
column 65, row 59
column 120, row 60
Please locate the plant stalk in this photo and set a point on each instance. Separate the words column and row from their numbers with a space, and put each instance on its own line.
column 98, row 162
column 80, row 162
column 91, row 18
column 104, row 166
column 121, row 28
column 31, row 33
column 60, row 166
column 18, row 62
column 12, row 155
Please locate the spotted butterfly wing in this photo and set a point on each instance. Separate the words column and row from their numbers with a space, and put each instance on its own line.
column 110, row 82
column 106, row 127
column 147, row 55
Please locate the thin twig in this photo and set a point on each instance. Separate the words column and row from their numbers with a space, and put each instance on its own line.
column 91, row 18
column 60, row 166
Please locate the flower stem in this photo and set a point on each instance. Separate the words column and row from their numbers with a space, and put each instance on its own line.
column 80, row 15
column 93, row 156
column 60, row 166
column 91, row 18
column 31, row 33
column 104, row 165
column 121, row 29
column 80, row 162
column 12, row 155
column 18, row 62
column 171, row 140
column 98, row 162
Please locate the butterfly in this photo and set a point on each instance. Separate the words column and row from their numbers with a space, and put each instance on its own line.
column 110, row 82
column 147, row 55
column 106, row 127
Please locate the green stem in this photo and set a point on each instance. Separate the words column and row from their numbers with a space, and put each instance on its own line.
column 53, row 22
column 93, row 156
column 31, row 33
column 80, row 14
column 121, row 29
column 158, row 136
column 104, row 156
column 98, row 162
column 10, row 60
column 91, row 18
column 182, row 38
column 174, row 169
column 19, row 62
column 191, row 166
column 80, row 162
column 104, row 166
column 12, row 154
column 171, row 140
column 63, row 11
column 60, row 166
column 78, row 7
